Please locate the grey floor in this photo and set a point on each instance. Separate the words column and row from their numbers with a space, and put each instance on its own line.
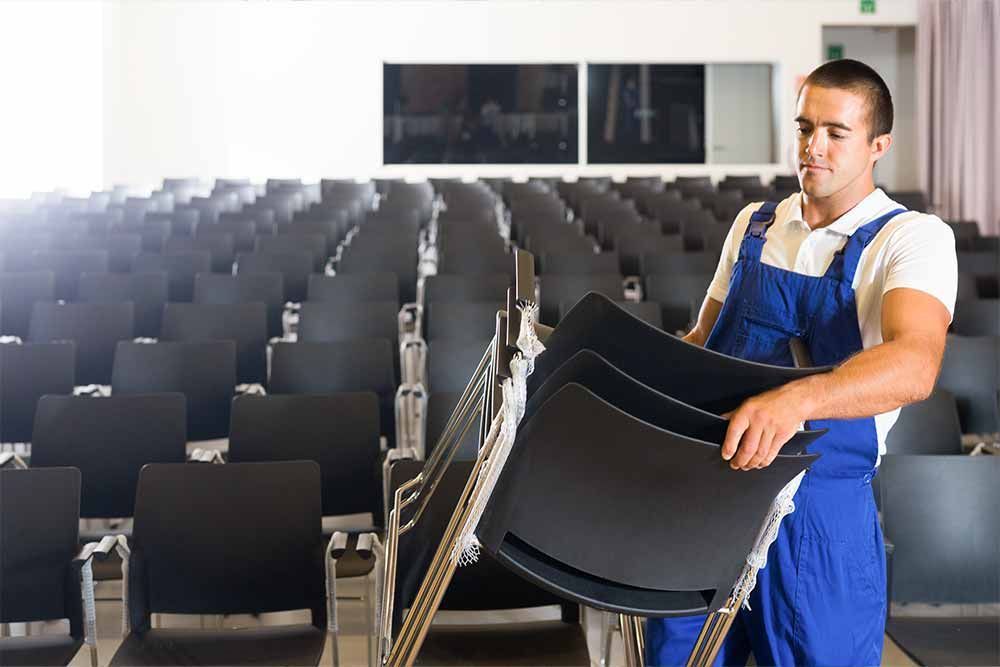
column 353, row 624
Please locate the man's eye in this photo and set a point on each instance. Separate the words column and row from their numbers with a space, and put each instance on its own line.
column 802, row 130
column 837, row 136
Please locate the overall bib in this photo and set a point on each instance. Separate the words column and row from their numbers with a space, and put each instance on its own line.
column 821, row 599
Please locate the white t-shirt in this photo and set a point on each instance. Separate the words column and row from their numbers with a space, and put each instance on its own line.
column 914, row 250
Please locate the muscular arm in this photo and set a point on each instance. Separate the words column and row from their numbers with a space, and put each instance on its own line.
column 707, row 316
column 902, row 370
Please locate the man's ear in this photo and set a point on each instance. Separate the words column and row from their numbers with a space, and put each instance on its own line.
column 880, row 146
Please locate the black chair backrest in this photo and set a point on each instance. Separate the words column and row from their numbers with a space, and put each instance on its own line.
column 146, row 291
column 327, row 322
column 294, row 267
column 938, row 514
column 180, row 267
column 579, row 263
column 244, row 323
column 39, row 537
column 67, row 265
column 227, row 539
column 18, row 293
column 205, row 372
column 28, row 372
column 977, row 317
column 451, row 363
column 678, row 263
column 928, row 427
column 266, row 288
column 353, row 287
column 95, row 328
column 468, row 320
column 971, row 372
column 372, row 255
column 554, row 290
column 451, row 287
column 314, row 244
column 338, row 431
column 242, row 230
column 346, row 366
column 109, row 440
column 221, row 247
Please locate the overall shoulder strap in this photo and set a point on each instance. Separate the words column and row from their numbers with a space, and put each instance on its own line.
column 756, row 234
column 845, row 261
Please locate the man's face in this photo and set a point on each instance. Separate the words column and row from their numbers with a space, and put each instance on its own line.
column 834, row 152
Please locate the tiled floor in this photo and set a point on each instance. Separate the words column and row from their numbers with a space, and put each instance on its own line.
column 354, row 627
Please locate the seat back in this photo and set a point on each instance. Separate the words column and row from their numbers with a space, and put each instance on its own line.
column 146, row 291
column 28, row 372
column 294, row 267
column 928, row 427
column 39, row 537
column 108, row 440
column 18, row 293
column 451, row 363
column 353, row 287
column 328, row 322
column 227, row 539
column 180, row 267
column 340, row 432
column 346, row 366
column 977, row 317
column 555, row 289
column 937, row 513
column 462, row 320
column 244, row 323
column 67, row 265
column 95, row 328
column 971, row 372
column 266, row 288
column 205, row 372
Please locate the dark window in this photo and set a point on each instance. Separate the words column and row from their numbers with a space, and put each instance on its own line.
column 479, row 114
column 646, row 113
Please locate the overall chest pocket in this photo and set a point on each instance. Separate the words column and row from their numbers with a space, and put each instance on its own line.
column 764, row 338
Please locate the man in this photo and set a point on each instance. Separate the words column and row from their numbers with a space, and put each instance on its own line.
column 869, row 288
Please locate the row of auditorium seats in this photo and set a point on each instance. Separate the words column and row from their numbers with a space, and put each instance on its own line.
column 446, row 245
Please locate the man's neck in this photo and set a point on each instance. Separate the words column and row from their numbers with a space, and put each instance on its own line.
column 820, row 212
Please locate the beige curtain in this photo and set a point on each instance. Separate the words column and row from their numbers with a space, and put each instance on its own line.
column 958, row 97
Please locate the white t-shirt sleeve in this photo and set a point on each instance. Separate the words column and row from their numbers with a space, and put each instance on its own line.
column 920, row 255
column 719, row 287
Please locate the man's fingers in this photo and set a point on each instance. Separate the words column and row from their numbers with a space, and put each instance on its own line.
column 748, row 446
column 780, row 441
column 763, row 449
column 737, row 426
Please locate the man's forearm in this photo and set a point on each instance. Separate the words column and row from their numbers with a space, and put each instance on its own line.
column 877, row 380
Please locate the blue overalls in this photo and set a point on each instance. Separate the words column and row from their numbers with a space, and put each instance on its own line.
column 821, row 599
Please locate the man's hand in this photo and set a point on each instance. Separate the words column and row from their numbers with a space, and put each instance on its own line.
column 761, row 426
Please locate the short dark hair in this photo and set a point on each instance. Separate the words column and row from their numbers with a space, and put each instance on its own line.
column 859, row 78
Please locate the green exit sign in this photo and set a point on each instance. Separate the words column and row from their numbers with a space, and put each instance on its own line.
column 834, row 51
column 867, row 6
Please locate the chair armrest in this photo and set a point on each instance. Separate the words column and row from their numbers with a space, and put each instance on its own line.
column 411, row 408
column 391, row 456
column 206, row 456
column 632, row 287
column 99, row 550
column 13, row 460
column 413, row 359
column 410, row 320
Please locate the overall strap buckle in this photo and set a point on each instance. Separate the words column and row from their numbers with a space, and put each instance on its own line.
column 761, row 219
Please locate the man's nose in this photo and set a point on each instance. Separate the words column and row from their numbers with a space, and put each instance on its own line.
column 816, row 145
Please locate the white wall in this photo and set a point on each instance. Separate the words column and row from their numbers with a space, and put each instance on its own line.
column 740, row 114
column 891, row 51
column 51, row 78
column 279, row 88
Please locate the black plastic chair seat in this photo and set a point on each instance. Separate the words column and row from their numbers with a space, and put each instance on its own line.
column 549, row 643
column 948, row 641
column 271, row 645
column 40, row 651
